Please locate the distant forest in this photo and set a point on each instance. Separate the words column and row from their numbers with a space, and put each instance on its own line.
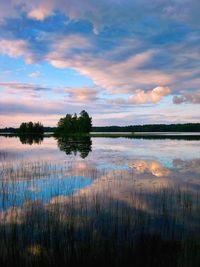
column 16, row 130
column 186, row 127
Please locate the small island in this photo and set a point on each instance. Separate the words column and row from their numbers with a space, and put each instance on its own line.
column 31, row 128
column 74, row 125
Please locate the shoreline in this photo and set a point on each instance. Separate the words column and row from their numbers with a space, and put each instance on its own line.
column 135, row 135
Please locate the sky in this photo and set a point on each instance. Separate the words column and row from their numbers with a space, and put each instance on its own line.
column 124, row 61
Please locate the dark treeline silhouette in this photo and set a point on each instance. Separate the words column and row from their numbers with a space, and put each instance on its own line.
column 31, row 128
column 73, row 144
column 73, row 124
column 47, row 129
column 186, row 127
column 8, row 130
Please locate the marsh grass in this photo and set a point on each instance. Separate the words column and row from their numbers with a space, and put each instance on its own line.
column 96, row 228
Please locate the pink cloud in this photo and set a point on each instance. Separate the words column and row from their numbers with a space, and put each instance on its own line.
column 41, row 12
column 15, row 121
column 16, row 48
column 117, row 77
column 13, row 48
column 142, row 97
column 82, row 94
column 154, row 95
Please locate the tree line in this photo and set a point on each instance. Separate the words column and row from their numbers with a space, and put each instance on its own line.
column 31, row 128
column 70, row 124
column 73, row 124
column 186, row 127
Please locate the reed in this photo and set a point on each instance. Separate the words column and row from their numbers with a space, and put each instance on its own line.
column 99, row 224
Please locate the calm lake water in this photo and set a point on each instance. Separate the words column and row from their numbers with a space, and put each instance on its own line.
column 149, row 187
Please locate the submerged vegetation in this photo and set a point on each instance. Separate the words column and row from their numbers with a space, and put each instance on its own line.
column 95, row 227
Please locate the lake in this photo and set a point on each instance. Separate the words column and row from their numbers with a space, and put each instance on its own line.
column 118, row 201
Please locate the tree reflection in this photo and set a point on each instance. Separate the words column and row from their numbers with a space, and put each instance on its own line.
column 31, row 139
column 73, row 144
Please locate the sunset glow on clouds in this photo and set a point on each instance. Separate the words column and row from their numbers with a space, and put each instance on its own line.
column 125, row 62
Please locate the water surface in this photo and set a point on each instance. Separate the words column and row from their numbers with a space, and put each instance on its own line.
column 116, row 189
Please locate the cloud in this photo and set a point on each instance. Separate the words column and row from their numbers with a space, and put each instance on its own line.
column 17, row 48
column 13, row 48
column 178, row 99
column 22, row 102
column 102, row 14
column 34, row 74
column 115, row 76
column 121, row 70
column 16, row 86
column 193, row 98
column 40, row 12
column 28, row 106
column 76, row 51
column 153, row 166
column 14, row 121
column 62, row 45
column 130, row 53
column 82, row 94
column 191, row 166
column 154, row 95
column 142, row 97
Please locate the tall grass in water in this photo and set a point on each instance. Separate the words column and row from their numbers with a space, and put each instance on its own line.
column 111, row 222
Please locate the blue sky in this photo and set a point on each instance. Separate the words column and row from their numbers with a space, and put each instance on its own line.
column 125, row 62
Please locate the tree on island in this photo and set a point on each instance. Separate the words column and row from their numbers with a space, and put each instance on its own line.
column 31, row 128
column 73, row 124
